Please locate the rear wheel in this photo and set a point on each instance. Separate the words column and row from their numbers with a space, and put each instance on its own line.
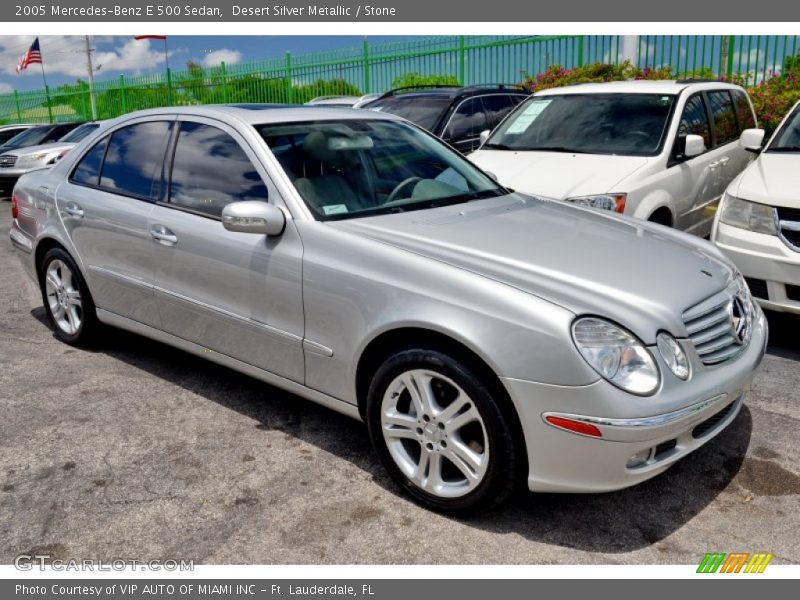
column 66, row 298
column 440, row 432
column 662, row 216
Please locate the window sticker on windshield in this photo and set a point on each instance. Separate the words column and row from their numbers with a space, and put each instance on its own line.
column 528, row 116
column 334, row 209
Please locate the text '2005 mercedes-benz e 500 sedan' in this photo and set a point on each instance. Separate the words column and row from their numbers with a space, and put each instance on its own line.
column 485, row 337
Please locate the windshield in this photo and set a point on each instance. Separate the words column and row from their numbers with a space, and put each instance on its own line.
column 29, row 137
column 787, row 139
column 77, row 134
column 627, row 124
column 422, row 109
column 353, row 168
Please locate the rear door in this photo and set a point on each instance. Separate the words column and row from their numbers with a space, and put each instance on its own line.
column 105, row 205
column 235, row 293
column 731, row 157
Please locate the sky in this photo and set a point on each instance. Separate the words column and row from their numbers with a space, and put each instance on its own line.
column 64, row 57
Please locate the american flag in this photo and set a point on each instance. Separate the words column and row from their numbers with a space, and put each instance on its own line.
column 32, row 56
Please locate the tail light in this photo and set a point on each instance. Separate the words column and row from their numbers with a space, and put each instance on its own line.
column 14, row 206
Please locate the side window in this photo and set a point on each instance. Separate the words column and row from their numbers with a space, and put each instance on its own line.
column 133, row 161
column 7, row 135
column 694, row 120
column 721, row 105
column 497, row 106
column 210, row 170
column 743, row 112
column 88, row 170
column 467, row 122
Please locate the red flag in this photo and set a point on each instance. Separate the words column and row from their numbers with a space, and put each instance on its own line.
column 149, row 37
column 33, row 55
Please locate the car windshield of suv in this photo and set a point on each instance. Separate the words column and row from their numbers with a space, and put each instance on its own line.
column 626, row 124
column 787, row 139
column 354, row 168
column 80, row 132
column 422, row 109
column 29, row 137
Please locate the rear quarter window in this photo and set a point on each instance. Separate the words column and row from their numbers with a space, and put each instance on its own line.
column 725, row 127
column 743, row 111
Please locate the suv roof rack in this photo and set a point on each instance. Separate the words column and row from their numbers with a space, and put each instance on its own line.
column 460, row 88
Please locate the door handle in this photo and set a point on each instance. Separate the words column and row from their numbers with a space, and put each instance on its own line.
column 74, row 209
column 163, row 235
column 714, row 164
column 724, row 160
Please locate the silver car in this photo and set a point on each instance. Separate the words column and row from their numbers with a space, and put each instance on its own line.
column 485, row 337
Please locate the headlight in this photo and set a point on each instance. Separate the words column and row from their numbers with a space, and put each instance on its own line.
column 615, row 202
column 617, row 355
column 672, row 353
column 758, row 218
column 27, row 160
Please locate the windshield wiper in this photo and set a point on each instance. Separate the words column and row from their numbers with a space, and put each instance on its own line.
column 552, row 149
column 495, row 146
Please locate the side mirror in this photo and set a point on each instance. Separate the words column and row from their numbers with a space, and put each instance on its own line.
column 253, row 216
column 492, row 175
column 485, row 136
column 752, row 140
column 693, row 145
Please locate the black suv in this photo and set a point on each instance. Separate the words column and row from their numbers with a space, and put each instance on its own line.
column 458, row 115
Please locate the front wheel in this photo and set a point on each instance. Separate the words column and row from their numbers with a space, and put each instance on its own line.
column 66, row 298
column 440, row 432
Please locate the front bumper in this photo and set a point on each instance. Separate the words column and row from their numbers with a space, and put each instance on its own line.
column 764, row 257
column 659, row 430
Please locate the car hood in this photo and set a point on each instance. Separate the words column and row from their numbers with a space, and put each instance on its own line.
column 589, row 262
column 51, row 147
column 558, row 174
column 772, row 179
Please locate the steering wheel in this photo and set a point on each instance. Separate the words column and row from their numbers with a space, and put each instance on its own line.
column 400, row 186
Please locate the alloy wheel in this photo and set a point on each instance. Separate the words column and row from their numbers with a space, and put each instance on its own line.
column 63, row 297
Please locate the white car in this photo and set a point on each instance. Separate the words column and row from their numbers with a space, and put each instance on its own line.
column 663, row 151
column 758, row 224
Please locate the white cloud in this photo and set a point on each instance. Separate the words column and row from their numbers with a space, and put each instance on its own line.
column 66, row 54
column 226, row 55
column 6, row 88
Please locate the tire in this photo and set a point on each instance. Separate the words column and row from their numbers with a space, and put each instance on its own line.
column 66, row 298
column 462, row 430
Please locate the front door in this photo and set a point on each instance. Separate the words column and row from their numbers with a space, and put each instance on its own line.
column 238, row 294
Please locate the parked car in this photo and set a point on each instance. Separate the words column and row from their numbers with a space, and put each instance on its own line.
column 33, row 136
column 9, row 131
column 758, row 224
column 662, row 151
column 15, row 163
column 342, row 101
column 458, row 115
column 352, row 258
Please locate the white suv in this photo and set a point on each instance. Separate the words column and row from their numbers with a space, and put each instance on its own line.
column 663, row 151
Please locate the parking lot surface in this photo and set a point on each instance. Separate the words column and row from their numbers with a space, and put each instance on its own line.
column 136, row 450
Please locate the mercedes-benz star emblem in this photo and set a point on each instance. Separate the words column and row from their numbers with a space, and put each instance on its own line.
column 739, row 320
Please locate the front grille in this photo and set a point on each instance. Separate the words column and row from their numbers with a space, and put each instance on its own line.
column 710, row 328
column 793, row 292
column 790, row 226
column 758, row 287
column 7, row 161
column 711, row 423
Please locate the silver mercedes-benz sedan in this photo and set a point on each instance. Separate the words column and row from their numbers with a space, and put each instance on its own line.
column 485, row 337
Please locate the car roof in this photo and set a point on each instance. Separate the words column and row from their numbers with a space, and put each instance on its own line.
column 454, row 91
column 639, row 86
column 259, row 114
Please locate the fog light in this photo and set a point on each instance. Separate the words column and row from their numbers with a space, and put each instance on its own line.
column 673, row 355
column 640, row 458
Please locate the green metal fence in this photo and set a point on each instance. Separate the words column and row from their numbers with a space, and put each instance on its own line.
column 369, row 68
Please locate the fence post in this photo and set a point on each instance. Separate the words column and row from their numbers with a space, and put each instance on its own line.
column 365, row 54
column 83, row 104
column 224, row 74
column 123, row 95
column 169, row 86
column 16, row 101
column 289, row 95
column 731, row 47
column 47, row 99
column 580, row 50
column 461, row 61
